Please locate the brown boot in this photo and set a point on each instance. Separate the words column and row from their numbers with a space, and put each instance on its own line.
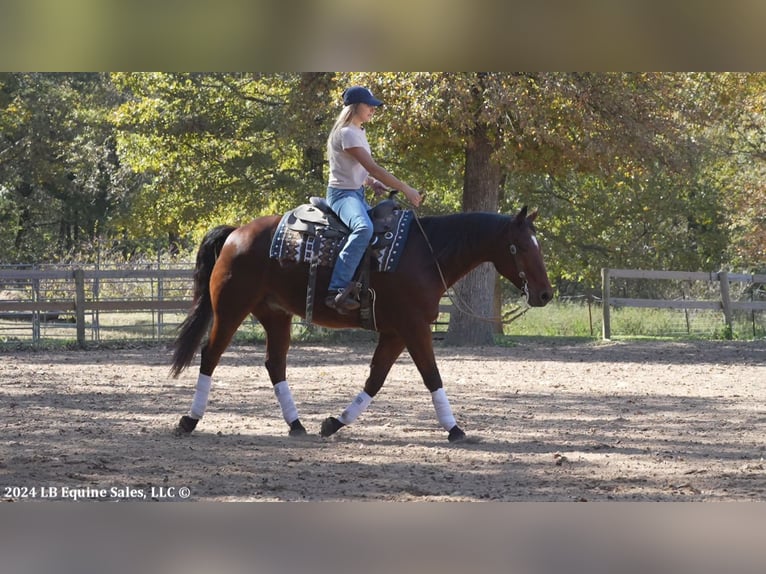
column 343, row 302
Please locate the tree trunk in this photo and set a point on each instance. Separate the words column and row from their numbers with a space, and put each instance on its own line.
column 497, row 304
column 481, row 184
column 313, row 89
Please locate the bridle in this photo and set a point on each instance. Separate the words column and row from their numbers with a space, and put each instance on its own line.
column 514, row 314
column 463, row 306
column 522, row 275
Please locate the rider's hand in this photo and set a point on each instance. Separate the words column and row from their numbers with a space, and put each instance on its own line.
column 413, row 195
column 379, row 189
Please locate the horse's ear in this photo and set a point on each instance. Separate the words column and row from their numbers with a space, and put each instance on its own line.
column 521, row 216
column 532, row 216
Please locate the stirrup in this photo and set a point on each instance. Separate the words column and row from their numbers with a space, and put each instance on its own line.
column 345, row 301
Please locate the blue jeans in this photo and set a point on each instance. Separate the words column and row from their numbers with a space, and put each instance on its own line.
column 351, row 207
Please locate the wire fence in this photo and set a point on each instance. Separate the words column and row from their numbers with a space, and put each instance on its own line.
column 717, row 305
column 94, row 304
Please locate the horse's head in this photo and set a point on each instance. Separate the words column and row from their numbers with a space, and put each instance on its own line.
column 520, row 259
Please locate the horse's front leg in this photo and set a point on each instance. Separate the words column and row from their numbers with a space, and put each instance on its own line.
column 277, row 326
column 389, row 348
column 420, row 346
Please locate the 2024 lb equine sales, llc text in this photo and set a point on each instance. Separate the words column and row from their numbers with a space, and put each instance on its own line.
column 114, row 493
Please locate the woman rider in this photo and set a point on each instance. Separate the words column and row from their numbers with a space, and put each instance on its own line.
column 351, row 168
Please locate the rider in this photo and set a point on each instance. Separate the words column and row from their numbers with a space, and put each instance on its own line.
column 351, row 168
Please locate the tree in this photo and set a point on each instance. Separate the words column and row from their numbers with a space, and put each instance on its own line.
column 447, row 117
column 656, row 199
column 211, row 147
column 308, row 117
column 741, row 168
column 628, row 169
column 481, row 188
column 502, row 127
column 59, row 171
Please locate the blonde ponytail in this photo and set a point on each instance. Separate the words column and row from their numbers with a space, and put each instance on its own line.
column 344, row 118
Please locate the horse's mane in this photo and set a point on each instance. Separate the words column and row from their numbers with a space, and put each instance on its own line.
column 462, row 231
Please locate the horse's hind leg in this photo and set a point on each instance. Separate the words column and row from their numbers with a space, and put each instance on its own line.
column 277, row 326
column 221, row 333
column 388, row 350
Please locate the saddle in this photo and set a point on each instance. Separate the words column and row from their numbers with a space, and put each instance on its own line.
column 317, row 218
column 312, row 233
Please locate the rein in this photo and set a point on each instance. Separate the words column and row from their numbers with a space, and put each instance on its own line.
column 462, row 305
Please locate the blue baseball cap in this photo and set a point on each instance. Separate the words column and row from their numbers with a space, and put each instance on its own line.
column 358, row 94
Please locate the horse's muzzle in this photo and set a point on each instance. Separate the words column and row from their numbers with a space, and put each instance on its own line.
column 540, row 299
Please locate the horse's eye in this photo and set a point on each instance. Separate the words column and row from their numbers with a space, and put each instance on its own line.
column 513, row 249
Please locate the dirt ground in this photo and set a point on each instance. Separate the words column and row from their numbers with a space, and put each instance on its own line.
column 548, row 420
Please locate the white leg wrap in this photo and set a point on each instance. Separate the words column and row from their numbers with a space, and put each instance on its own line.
column 357, row 407
column 285, row 398
column 199, row 403
column 443, row 410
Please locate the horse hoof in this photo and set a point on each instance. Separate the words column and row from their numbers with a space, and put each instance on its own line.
column 186, row 425
column 297, row 429
column 456, row 434
column 330, row 426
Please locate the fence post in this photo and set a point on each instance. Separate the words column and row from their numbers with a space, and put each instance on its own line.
column 160, row 297
column 723, row 278
column 36, row 313
column 606, row 327
column 79, row 305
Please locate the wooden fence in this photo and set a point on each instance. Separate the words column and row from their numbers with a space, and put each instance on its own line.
column 44, row 295
column 724, row 303
column 77, row 299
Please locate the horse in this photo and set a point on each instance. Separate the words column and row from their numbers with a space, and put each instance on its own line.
column 235, row 277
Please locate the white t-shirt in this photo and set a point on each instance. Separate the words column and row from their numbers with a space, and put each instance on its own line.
column 345, row 171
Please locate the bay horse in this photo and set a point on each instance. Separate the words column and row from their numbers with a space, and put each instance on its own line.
column 235, row 277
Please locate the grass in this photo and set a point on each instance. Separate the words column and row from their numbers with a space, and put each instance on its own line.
column 561, row 319
column 558, row 319
column 581, row 320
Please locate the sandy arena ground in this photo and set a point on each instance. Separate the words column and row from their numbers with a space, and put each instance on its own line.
column 549, row 421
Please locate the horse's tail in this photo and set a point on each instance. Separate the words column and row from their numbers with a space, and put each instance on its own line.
column 197, row 322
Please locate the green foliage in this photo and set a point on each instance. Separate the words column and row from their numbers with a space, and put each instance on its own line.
column 627, row 169
column 661, row 220
column 648, row 189
column 59, row 175
column 209, row 147
column 741, row 170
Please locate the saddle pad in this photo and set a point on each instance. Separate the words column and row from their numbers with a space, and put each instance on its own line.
column 288, row 245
